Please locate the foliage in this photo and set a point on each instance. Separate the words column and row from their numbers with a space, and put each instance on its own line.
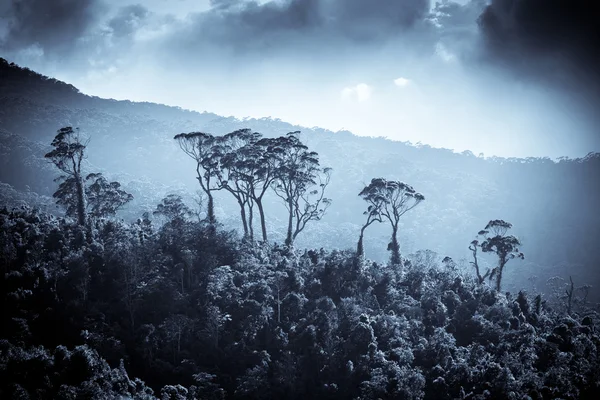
column 297, row 174
column 462, row 190
column 504, row 246
column 200, row 146
column 196, row 316
column 67, row 155
column 103, row 198
column 389, row 200
column 245, row 166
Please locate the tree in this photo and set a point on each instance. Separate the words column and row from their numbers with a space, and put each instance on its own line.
column 297, row 172
column 105, row 198
column 256, row 166
column 238, row 168
column 506, row 247
column 201, row 147
column 66, row 195
column 391, row 200
column 475, row 263
column 373, row 214
column 173, row 209
column 172, row 234
column 67, row 155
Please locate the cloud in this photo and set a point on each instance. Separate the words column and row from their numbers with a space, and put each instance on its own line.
column 250, row 25
column 229, row 30
column 286, row 54
column 361, row 92
column 128, row 20
column 401, row 82
column 50, row 26
column 552, row 40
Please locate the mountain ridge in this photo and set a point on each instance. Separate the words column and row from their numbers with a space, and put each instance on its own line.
column 13, row 77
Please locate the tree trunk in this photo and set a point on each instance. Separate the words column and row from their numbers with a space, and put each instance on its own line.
column 250, row 223
column 81, row 217
column 211, row 209
column 243, row 215
column 263, row 223
column 499, row 276
column 289, row 239
column 182, row 273
column 394, row 247
column 360, row 251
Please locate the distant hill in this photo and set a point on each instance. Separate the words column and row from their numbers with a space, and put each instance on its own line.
column 553, row 205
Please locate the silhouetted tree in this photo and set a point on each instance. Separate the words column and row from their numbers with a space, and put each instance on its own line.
column 475, row 263
column 238, row 168
column 67, row 155
column 373, row 214
column 392, row 199
column 504, row 246
column 257, row 165
column 298, row 172
column 66, row 195
column 201, row 147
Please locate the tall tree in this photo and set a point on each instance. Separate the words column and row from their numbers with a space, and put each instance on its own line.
column 392, row 199
column 265, row 173
column 201, row 147
column 253, row 167
column 66, row 195
column 506, row 247
column 373, row 214
column 300, row 183
column 474, row 246
column 103, row 198
column 67, row 155
column 236, row 174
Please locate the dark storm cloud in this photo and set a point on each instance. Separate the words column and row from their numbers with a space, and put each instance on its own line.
column 54, row 26
column 128, row 20
column 248, row 24
column 554, row 40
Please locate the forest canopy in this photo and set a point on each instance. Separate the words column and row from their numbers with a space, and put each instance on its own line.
column 193, row 311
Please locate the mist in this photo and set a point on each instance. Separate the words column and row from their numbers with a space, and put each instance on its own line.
column 299, row 199
column 310, row 63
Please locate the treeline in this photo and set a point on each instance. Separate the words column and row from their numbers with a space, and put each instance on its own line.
column 248, row 166
column 241, row 163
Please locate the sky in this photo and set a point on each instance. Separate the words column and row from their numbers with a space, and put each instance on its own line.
column 500, row 77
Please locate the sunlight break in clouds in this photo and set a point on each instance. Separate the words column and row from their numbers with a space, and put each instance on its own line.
column 401, row 82
column 361, row 92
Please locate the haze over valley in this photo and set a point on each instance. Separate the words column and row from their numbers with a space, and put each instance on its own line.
column 339, row 199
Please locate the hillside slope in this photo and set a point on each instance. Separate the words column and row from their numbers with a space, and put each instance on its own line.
column 552, row 205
